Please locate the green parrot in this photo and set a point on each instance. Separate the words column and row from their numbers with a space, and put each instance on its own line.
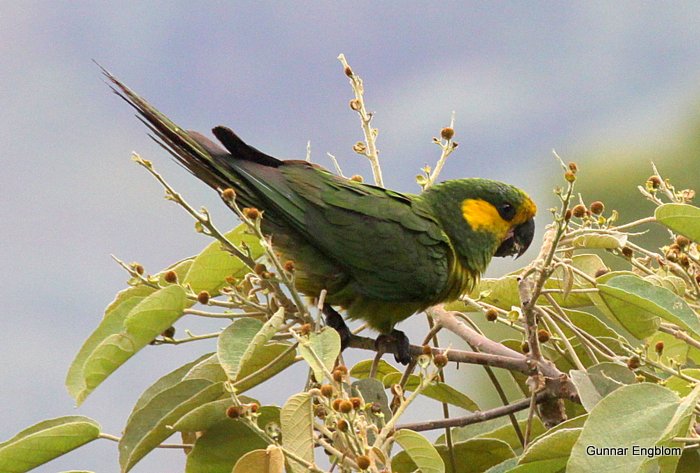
column 381, row 255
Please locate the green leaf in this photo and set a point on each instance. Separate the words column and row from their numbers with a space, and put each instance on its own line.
column 296, row 418
column 220, row 447
column 631, row 298
column 204, row 417
column 208, row 368
column 681, row 386
column 681, row 218
column 500, row 429
column 259, row 368
column 501, row 292
column 270, row 460
column 472, row 456
column 599, row 381
column 150, row 425
column 145, row 321
column 234, row 345
column 419, row 449
column 362, row 369
column 45, row 441
column 549, row 453
column 372, row 391
column 211, row 267
column 321, row 351
column 166, row 382
column 436, row 390
column 111, row 324
column 608, row 241
column 643, row 415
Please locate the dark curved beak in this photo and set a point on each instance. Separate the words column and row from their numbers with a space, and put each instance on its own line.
column 518, row 240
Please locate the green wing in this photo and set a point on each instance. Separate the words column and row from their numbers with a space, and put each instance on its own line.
column 386, row 242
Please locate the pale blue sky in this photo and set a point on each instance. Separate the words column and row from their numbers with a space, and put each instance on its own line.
column 523, row 78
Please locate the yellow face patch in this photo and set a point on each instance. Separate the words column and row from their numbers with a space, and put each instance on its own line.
column 483, row 216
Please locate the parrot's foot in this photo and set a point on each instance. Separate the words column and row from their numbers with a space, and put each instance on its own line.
column 399, row 342
column 335, row 321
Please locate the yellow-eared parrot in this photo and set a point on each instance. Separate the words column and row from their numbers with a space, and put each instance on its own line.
column 381, row 255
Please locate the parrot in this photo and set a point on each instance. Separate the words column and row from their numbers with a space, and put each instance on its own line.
column 380, row 255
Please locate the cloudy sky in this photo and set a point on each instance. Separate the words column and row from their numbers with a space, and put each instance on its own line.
column 522, row 78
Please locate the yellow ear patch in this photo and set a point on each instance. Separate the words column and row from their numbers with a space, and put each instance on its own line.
column 483, row 216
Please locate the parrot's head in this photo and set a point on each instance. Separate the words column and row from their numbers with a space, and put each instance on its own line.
column 483, row 218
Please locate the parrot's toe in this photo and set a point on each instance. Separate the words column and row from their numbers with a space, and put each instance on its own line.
column 398, row 341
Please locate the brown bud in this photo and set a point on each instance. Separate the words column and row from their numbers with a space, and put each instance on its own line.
column 375, row 408
column 682, row 241
column 336, row 404
column 597, row 207
column 627, row 252
column 168, row 332
column 569, row 176
column 289, row 266
column 601, row 271
column 345, row 406
column 362, row 462
column 233, row 412
column 251, row 213
column 342, row 368
column 355, row 104
column 426, row 350
column 633, row 362
column 568, row 214
column 231, row 280
column 655, row 182
column 440, row 360
column 171, row 277
column 659, row 347
column 203, row 297
column 447, row 133
column 338, row 376
column 228, row 194
column 356, row 402
column 320, row 411
column 543, row 335
column 684, row 261
column 491, row 315
column 348, row 71
column 137, row 268
column 525, row 347
column 254, row 407
column 573, row 167
column 342, row 425
column 259, row 269
column 357, row 178
column 327, row 390
column 305, row 329
column 579, row 211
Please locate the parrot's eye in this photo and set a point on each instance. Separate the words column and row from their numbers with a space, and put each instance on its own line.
column 506, row 211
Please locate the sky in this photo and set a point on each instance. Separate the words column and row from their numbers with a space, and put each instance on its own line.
column 523, row 78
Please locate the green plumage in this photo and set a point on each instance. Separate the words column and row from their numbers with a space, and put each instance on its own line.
column 380, row 254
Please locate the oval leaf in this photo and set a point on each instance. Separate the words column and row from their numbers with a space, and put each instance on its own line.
column 631, row 295
column 220, row 447
column 420, row 450
column 233, row 344
column 112, row 323
column 641, row 415
column 321, row 351
column 296, row 418
column 270, row 460
column 681, row 218
column 45, row 441
column 211, row 267
column 150, row 425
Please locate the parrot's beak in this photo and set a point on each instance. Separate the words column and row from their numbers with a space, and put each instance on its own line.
column 518, row 240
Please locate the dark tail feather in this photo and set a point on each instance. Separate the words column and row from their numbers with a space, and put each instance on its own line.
column 241, row 150
column 195, row 152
